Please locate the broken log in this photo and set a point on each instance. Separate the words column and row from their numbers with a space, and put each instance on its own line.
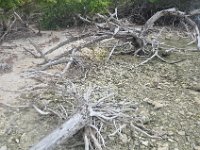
column 64, row 132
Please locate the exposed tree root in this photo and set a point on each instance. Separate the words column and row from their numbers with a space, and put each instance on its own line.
column 91, row 117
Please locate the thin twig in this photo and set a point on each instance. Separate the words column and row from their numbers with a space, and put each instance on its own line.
column 40, row 111
column 8, row 30
column 145, row 133
column 68, row 64
column 111, row 52
column 39, row 51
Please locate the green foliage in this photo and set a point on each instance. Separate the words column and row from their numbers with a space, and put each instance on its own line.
column 57, row 13
column 7, row 5
column 62, row 13
column 153, row 1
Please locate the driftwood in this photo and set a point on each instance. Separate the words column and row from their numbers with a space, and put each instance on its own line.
column 64, row 132
column 72, row 39
column 174, row 12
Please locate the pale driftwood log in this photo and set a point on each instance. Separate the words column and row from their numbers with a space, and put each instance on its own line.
column 64, row 132
column 172, row 11
column 53, row 63
column 72, row 39
column 93, row 41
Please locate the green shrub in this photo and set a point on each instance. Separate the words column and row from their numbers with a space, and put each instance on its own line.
column 62, row 13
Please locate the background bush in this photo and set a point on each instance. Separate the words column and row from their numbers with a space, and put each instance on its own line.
column 55, row 14
column 62, row 13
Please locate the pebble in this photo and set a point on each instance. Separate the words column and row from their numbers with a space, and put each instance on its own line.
column 17, row 141
column 164, row 147
column 124, row 138
column 197, row 147
column 182, row 133
column 145, row 143
column 3, row 148
column 112, row 138
column 170, row 140
column 170, row 133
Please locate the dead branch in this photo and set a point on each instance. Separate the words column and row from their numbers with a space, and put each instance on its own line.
column 174, row 12
column 61, row 58
column 32, row 53
column 72, row 39
column 111, row 52
column 20, row 19
column 16, row 17
column 39, row 51
column 53, row 63
column 8, row 30
column 69, row 63
column 64, row 132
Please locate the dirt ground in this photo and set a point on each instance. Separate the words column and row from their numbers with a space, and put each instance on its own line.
column 168, row 97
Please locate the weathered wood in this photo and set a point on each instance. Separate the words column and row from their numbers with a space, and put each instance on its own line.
column 72, row 39
column 172, row 11
column 64, row 132
column 194, row 12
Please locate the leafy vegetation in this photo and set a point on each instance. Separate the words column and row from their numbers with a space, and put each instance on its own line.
column 7, row 5
column 62, row 13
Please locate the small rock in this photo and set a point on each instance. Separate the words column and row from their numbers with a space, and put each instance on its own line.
column 123, row 138
column 182, row 133
column 177, row 100
column 17, row 141
column 197, row 147
column 145, row 143
column 164, row 147
column 182, row 112
column 197, row 100
column 170, row 140
column 4, row 147
column 198, row 122
column 170, row 133
column 145, row 119
column 112, row 138
column 158, row 105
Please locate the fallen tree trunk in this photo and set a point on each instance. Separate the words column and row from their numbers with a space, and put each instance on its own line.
column 64, row 132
